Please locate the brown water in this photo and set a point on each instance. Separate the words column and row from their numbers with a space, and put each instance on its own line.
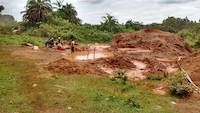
column 85, row 55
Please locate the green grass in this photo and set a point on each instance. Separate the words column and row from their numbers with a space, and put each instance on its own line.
column 81, row 93
column 20, row 39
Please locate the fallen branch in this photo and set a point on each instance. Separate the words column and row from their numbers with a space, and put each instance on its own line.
column 187, row 75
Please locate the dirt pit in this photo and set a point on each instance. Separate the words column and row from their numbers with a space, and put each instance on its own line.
column 139, row 54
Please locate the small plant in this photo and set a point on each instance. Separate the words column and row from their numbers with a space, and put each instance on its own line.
column 132, row 103
column 180, row 86
column 120, row 77
column 120, row 81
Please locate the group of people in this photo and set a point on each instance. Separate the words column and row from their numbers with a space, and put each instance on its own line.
column 51, row 42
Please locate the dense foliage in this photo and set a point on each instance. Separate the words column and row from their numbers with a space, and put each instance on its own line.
column 67, row 12
column 192, row 35
column 36, row 10
column 1, row 8
column 180, row 86
column 173, row 24
column 62, row 20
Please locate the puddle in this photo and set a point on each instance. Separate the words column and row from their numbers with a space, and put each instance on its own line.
column 84, row 55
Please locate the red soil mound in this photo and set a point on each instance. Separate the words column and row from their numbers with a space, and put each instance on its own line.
column 192, row 65
column 69, row 67
column 118, row 61
column 151, row 39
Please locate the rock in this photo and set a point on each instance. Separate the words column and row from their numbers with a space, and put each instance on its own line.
column 59, row 91
column 35, row 48
column 174, row 103
column 69, row 108
column 34, row 85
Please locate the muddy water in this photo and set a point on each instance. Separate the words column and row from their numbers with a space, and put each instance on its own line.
column 85, row 55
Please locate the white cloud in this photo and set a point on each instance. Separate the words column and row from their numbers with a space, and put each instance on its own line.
column 147, row 11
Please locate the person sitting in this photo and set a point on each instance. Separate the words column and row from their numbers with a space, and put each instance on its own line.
column 58, row 40
column 50, row 42
column 62, row 47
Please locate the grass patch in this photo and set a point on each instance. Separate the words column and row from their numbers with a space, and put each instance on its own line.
column 71, row 93
column 154, row 76
column 20, row 39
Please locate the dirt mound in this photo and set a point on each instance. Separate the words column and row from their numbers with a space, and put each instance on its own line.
column 192, row 65
column 69, row 67
column 116, row 62
column 151, row 39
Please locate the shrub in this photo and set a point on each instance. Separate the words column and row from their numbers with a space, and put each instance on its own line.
column 64, row 29
column 120, row 77
column 180, row 86
column 132, row 103
column 191, row 36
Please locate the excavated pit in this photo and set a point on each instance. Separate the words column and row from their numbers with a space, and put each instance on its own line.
column 139, row 53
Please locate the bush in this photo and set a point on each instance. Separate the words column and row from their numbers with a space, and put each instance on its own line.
column 180, row 86
column 192, row 36
column 120, row 77
column 58, row 27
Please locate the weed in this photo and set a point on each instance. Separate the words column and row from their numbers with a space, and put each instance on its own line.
column 180, row 86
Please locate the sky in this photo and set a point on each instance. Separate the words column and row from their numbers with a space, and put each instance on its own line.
column 146, row 11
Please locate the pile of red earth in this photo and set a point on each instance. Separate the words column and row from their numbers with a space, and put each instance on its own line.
column 118, row 61
column 191, row 64
column 69, row 67
column 91, row 67
column 151, row 39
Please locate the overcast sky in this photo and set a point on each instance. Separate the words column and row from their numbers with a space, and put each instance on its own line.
column 146, row 11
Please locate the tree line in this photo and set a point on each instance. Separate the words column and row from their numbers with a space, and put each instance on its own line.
column 38, row 11
column 43, row 18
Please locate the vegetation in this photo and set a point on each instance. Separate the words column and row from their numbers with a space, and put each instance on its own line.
column 133, row 25
column 41, row 19
column 20, row 40
column 180, row 86
column 109, row 23
column 36, row 11
column 24, row 90
column 155, row 76
column 192, row 36
column 1, row 8
column 67, row 12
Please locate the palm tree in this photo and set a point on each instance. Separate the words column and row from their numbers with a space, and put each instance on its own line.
column 109, row 22
column 68, row 12
column 1, row 8
column 129, row 23
column 58, row 4
column 37, row 10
